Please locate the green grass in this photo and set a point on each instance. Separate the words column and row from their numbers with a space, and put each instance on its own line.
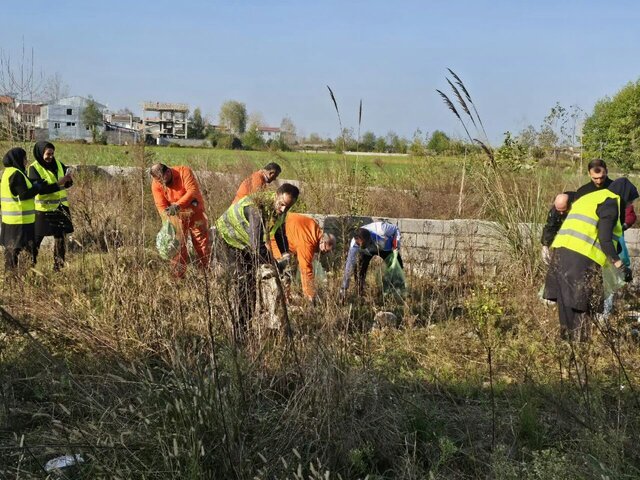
column 294, row 164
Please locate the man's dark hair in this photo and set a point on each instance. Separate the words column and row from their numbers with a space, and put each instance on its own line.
column 273, row 167
column 363, row 234
column 157, row 170
column 289, row 190
column 598, row 165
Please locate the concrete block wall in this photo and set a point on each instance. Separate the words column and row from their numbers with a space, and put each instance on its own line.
column 446, row 248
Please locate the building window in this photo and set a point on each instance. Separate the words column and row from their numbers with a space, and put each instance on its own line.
column 73, row 124
column 69, row 111
column 56, row 125
column 68, row 124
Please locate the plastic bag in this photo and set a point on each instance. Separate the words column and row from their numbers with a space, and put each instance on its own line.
column 319, row 275
column 393, row 279
column 167, row 241
column 611, row 279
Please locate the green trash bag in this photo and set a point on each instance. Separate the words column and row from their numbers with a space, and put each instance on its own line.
column 393, row 280
column 167, row 241
column 319, row 275
column 611, row 279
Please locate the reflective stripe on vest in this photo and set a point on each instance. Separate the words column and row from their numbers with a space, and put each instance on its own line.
column 50, row 201
column 579, row 231
column 15, row 211
column 233, row 226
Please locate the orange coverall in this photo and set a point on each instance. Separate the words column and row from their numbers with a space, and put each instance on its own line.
column 184, row 191
column 250, row 185
column 304, row 235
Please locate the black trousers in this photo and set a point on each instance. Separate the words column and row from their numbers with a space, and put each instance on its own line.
column 362, row 266
column 59, row 250
column 12, row 256
column 241, row 267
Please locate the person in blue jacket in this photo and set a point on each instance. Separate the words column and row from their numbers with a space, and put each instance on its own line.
column 377, row 238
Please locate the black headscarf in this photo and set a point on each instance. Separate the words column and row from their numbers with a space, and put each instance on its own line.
column 15, row 158
column 38, row 154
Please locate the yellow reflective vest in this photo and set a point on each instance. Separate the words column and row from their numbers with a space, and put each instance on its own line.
column 15, row 211
column 233, row 225
column 50, row 201
column 579, row 231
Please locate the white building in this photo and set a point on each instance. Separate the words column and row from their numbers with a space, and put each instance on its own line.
column 63, row 119
column 269, row 133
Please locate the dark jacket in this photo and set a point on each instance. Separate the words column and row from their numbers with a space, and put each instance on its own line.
column 554, row 222
column 57, row 222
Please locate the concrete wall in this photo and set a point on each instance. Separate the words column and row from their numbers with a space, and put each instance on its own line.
column 446, row 248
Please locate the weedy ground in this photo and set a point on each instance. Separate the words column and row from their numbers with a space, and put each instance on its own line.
column 116, row 361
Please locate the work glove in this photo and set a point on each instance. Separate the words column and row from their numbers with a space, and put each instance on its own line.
column 546, row 255
column 625, row 273
column 172, row 209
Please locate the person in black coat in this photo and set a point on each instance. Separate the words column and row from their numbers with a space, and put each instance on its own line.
column 57, row 221
column 574, row 281
column 20, row 237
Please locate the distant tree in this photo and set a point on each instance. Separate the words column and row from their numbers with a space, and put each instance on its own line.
column 368, row 142
column 233, row 115
column 528, row 137
column 92, row 117
column 548, row 139
column 20, row 81
column 418, row 143
column 252, row 138
column 381, row 145
column 197, row 125
column 511, row 154
column 256, row 118
column 396, row 143
column 612, row 131
column 54, row 88
column 288, row 131
column 439, row 142
column 346, row 142
column 314, row 138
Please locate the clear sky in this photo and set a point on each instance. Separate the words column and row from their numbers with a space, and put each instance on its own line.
column 517, row 58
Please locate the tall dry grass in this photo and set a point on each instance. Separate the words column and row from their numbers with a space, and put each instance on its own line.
column 116, row 361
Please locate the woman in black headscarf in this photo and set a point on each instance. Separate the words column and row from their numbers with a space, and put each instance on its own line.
column 53, row 217
column 17, row 197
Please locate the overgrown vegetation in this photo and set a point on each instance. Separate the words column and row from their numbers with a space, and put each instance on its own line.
column 115, row 361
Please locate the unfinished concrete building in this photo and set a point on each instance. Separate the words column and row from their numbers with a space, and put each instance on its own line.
column 165, row 120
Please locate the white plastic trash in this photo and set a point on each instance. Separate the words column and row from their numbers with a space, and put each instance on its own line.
column 64, row 461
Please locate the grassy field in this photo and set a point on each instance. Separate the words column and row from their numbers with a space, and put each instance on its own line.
column 114, row 360
column 408, row 186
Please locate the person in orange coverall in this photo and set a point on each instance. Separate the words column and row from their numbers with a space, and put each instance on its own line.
column 258, row 181
column 305, row 238
column 177, row 195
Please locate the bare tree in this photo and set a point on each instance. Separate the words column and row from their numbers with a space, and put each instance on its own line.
column 54, row 88
column 19, row 81
column 256, row 119
column 288, row 131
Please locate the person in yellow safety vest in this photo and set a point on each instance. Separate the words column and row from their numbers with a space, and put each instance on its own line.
column 53, row 217
column 243, row 241
column 17, row 207
column 586, row 241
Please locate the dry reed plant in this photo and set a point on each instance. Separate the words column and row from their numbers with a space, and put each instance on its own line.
column 138, row 373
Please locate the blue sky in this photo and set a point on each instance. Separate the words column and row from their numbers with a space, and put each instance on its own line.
column 518, row 58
